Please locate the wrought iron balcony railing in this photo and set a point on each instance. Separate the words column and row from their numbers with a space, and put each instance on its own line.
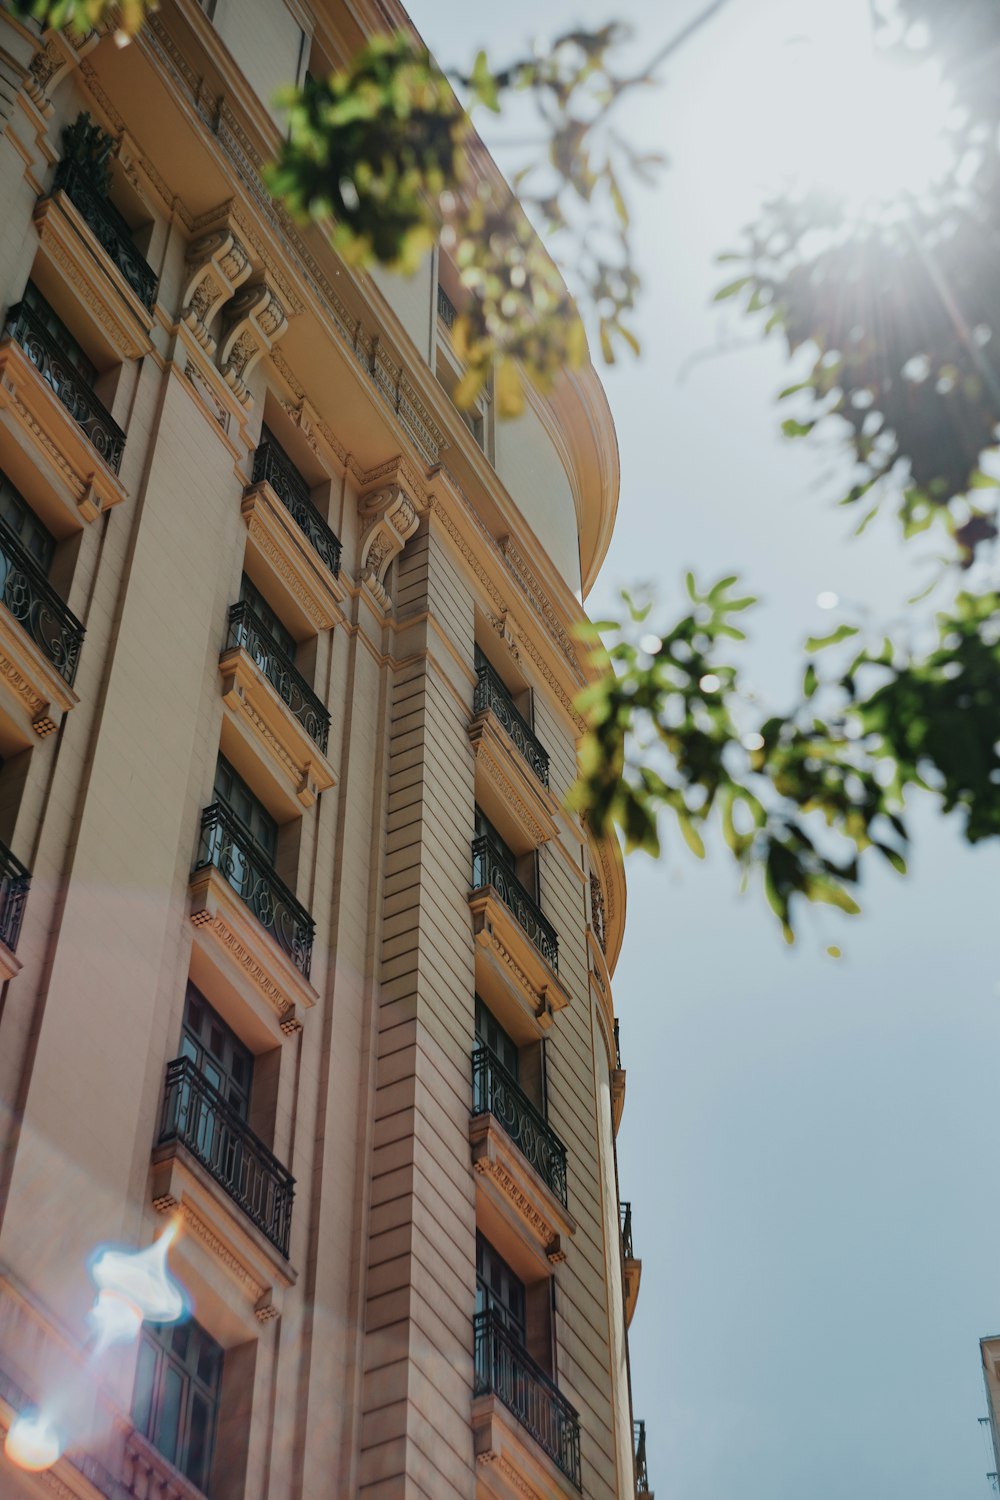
column 505, row 1368
column 33, row 602
column 96, row 422
column 107, row 224
column 497, row 1092
column 490, row 868
column 491, row 693
column 618, row 1047
column 247, row 630
column 14, row 883
column 198, row 1116
column 625, row 1213
column 272, row 466
column 226, row 844
column 447, row 311
column 641, row 1472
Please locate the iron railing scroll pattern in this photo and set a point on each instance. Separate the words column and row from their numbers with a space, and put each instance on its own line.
column 227, row 845
column 641, row 1471
column 493, row 694
column 95, row 421
column 247, row 630
column 14, row 883
column 625, row 1213
column 490, row 869
column 446, row 308
column 32, row 601
column 505, row 1369
column 197, row 1115
column 109, row 228
column 271, row 466
column 497, row 1092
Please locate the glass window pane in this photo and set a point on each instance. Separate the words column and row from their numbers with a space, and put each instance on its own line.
column 145, row 1375
column 169, row 1413
column 199, row 1444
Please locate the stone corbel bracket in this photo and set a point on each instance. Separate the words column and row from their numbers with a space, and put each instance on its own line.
column 219, row 264
column 59, row 54
column 388, row 519
column 256, row 322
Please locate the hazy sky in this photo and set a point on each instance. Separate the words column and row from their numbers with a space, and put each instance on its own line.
column 807, row 1144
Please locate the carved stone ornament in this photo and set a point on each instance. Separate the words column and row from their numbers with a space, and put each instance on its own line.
column 256, row 321
column 219, row 264
column 389, row 519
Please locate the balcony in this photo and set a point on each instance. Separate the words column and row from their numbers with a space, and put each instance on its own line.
column 40, row 642
column 489, row 869
column 497, row 1092
column 492, row 696
column 14, row 884
column 631, row 1267
column 520, row 1162
column 506, row 1376
column 639, row 1448
column 617, row 1084
column 518, row 949
column 109, row 229
column 203, row 1146
column 64, row 448
column 292, row 541
column 94, row 420
column 275, row 717
column 512, row 767
column 197, row 1115
column 250, row 927
column 447, row 311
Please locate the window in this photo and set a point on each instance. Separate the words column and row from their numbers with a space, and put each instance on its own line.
column 217, row 1052
column 176, row 1401
column 252, row 597
column 503, row 852
column 60, row 334
column 498, row 1290
column 234, row 792
column 18, row 517
column 489, row 1033
column 524, row 867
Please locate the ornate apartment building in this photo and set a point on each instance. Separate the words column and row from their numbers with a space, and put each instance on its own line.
column 298, row 942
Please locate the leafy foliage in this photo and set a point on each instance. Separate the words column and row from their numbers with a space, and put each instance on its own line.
column 82, row 15
column 385, row 153
column 798, row 798
column 902, row 309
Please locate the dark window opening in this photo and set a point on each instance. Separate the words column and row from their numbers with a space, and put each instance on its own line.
column 217, row 1052
column 176, row 1402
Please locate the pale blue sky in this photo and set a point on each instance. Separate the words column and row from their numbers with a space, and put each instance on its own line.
column 807, row 1144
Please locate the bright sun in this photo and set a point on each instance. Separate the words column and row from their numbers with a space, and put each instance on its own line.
column 819, row 106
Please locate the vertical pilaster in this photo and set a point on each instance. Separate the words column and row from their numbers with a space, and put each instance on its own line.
column 416, row 1439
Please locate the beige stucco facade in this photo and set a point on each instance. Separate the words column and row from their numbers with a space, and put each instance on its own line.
column 427, row 581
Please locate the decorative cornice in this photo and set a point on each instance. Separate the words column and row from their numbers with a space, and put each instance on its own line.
column 245, row 959
column 494, row 1460
column 203, row 1232
column 388, row 520
column 219, row 264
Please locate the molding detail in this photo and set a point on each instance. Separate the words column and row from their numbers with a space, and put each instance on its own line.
column 509, row 1474
column 388, row 520
column 256, row 321
column 219, row 264
column 196, row 1226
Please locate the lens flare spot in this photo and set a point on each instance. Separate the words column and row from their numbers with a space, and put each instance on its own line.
column 115, row 1320
column 33, row 1442
column 140, row 1278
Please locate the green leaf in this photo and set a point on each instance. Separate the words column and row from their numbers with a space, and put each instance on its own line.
column 692, row 837
column 732, row 288
column 820, row 642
